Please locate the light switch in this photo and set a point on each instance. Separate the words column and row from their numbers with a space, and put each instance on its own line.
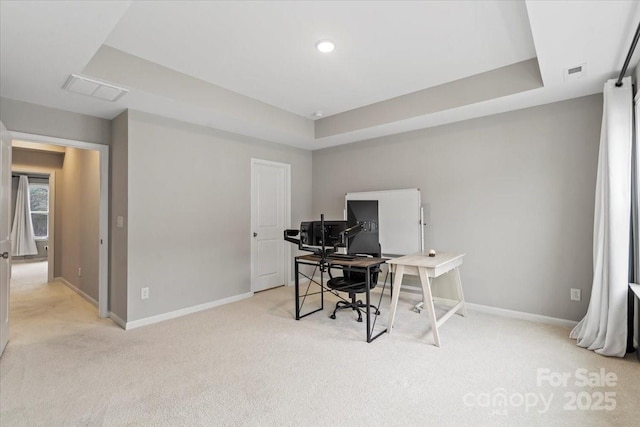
column 120, row 221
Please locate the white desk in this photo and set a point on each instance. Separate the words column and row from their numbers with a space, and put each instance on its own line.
column 428, row 268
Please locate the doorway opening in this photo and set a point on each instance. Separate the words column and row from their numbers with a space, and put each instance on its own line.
column 77, row 248
column 32, row 207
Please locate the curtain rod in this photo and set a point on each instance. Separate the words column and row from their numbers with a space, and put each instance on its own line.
column 30, row 175
column 629, row 55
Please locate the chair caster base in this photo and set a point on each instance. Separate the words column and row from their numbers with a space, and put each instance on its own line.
column 358, row 306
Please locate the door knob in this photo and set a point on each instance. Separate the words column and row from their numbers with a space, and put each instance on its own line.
column 255, row 234
column 4, row 255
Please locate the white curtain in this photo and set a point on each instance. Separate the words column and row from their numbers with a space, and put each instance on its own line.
column 635, row 196
column 22, row 238
column 604, row 328
column 635, row 207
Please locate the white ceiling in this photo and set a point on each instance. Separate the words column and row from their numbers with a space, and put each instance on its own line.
column 260, row 57
column 266, row 50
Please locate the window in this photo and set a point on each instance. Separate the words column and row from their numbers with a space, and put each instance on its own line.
column 39, row 201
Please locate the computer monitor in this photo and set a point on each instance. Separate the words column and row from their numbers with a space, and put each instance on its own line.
column 365, row 213
column 312, row 235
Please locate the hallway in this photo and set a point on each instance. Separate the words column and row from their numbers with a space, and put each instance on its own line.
column 42, row 311
column 28, row 275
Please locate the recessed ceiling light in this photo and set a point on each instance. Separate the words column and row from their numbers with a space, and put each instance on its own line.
column 325, row 46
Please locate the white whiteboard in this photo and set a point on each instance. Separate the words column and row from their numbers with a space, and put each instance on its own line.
column 399, row 219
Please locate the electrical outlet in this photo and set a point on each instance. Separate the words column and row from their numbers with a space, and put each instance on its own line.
column 576, row 294
column 144, row 293
column 79, row 271
column 120, row 221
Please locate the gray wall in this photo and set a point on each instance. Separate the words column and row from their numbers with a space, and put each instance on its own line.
column 189, row 222
column 153, row 159
column 118, row 202
column 78, row 196
column 514, row 191
column 19, row 116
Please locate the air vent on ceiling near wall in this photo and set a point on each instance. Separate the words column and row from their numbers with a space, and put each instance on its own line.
column 575, row 72
column 90, row 87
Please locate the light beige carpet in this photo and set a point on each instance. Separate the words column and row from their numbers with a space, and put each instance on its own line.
column 251, row 364
column 28, row 274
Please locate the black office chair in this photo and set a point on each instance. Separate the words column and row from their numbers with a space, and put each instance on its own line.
column 354, row 282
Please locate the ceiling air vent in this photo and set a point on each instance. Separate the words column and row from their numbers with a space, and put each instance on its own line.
column 90, row 87
column 575, row 72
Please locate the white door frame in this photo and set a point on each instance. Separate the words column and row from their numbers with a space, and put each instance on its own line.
column 103, row 248
column 5, row 236
column 52, row 209
column 287, row 217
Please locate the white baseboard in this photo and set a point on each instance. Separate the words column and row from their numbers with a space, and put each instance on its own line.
column 521, row 315
column 76, row 290
column 184, row 311
column 494, row 310
column 508, row 313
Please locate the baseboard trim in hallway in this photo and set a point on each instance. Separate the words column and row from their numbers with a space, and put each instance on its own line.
column 117, row 320
column 76, row 290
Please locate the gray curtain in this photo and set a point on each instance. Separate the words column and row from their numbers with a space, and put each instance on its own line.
column 23, row 241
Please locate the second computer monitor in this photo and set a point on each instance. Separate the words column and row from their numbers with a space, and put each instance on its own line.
column 312, row 234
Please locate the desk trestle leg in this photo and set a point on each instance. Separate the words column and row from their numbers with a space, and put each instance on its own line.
column 463, row 308
column 428, row 304
column 398, row 272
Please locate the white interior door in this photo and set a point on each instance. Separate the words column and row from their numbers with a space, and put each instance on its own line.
column 5, row 231
column 270, row 215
